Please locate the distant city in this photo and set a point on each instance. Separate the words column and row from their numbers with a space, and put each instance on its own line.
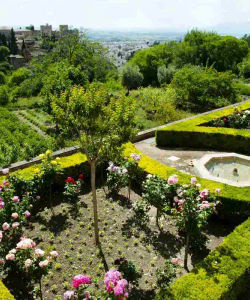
column 121, row 44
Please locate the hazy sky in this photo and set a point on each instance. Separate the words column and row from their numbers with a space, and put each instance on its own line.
column 125, row 14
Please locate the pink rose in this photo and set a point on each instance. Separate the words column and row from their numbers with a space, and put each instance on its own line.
column 218, row 191
column 193, row 180
column 43, row 264
column 54, row 254
column 6, row 226
column 13, row 251
column 10, row 256
column 14, row 215
column 39, row 252
column 175, row 261
column 15, row 199
column 204, row 193
column 2, row 204
column 173, row 179
column 27, row 214
column 1, row 235
column 80, row 279
column 15, row 225
column 25, row 244
column 28, row 262
column 68, row 295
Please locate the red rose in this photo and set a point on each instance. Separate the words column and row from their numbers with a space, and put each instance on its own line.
column 70, row 180
column 80, row 176
column 225, row 119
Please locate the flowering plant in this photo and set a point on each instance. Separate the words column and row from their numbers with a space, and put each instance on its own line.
column 72, row 188
column 49, row 169
column 117, row 178
column 192, row 208
column 30, row 262
column 158, row 192
column 239, row 119
column 13, row 214
column 167, row 274
column 116, row 288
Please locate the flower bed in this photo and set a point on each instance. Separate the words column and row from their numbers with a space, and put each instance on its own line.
column 192, row 133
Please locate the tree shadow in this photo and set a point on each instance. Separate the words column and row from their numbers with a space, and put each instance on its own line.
column 139, row 294
column 163, row 242
column 55, row 224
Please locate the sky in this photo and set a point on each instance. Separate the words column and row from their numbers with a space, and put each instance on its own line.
column 125, row 14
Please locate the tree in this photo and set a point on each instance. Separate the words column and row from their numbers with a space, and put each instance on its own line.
column 162, row 74
column 102, row 123
column 4, row 53
column 3, row 40
column 201, row 89
column 12, row 42
column 131, row 77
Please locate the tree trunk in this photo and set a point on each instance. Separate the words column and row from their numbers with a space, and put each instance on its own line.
column 93, row 188
column 186, row 252
column 157, row 218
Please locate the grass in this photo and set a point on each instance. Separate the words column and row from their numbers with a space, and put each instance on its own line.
column 24, row 103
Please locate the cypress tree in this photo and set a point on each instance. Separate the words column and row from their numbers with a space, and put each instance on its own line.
column 12, row 42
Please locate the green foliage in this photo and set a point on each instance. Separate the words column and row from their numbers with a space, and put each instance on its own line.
column 194, row 134
column 2, row 78
column 211, row 49
column 19, row 76
column 4, row 53
column 131, row 77
column 201, row 89
column 224, row 273
column 12, row 42
column 19, row 142
column 101, row 121
column 148, row 61
column 165, row 275
column 4, row 97
column 246, row 38
column 244, row 67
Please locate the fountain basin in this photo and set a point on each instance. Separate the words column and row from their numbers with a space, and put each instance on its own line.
column 229, row 168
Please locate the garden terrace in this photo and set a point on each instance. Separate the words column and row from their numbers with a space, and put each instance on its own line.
column 192, row 133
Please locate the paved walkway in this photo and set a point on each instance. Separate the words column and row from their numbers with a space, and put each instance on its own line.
column 181, row 159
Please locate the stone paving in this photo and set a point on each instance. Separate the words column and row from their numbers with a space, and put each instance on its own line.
column 180, row 158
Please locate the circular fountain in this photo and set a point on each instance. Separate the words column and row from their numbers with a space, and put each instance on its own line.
column 229, row 168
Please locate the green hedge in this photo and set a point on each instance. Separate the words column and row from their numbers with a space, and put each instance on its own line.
column 224, row 274
column 4, row 293
column 194, row 133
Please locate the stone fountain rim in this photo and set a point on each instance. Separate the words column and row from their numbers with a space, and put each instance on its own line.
column 200, row 165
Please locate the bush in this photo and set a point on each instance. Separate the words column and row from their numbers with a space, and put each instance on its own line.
column 244, row 68
column 201, row 89
column 243, row 89
column 4, row 97
column 131, row 77
column 19, row 76
column 2, row 78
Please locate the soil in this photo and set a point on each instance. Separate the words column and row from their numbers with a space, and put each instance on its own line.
column 123, row 233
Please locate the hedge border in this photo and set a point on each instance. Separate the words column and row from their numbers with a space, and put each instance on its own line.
column 224, row 273
column 193, row 133
column 4, row 293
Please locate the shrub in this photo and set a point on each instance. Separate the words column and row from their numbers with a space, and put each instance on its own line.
column 2, row 78
column 244, row 89
column 201, row 89
column 244, row 67
column 4, row 97
column 19, row 76
column 131, row 77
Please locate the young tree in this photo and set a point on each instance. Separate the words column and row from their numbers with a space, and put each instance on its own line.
column 131, row 77
column 4, row 52
column 102, row 123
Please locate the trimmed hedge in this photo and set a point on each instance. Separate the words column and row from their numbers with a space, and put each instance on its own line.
column 234, row 199
column 194, row 133
column 224, row 273
column 4, row 293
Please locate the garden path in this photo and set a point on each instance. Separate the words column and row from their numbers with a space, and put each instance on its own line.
column 179, row 158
